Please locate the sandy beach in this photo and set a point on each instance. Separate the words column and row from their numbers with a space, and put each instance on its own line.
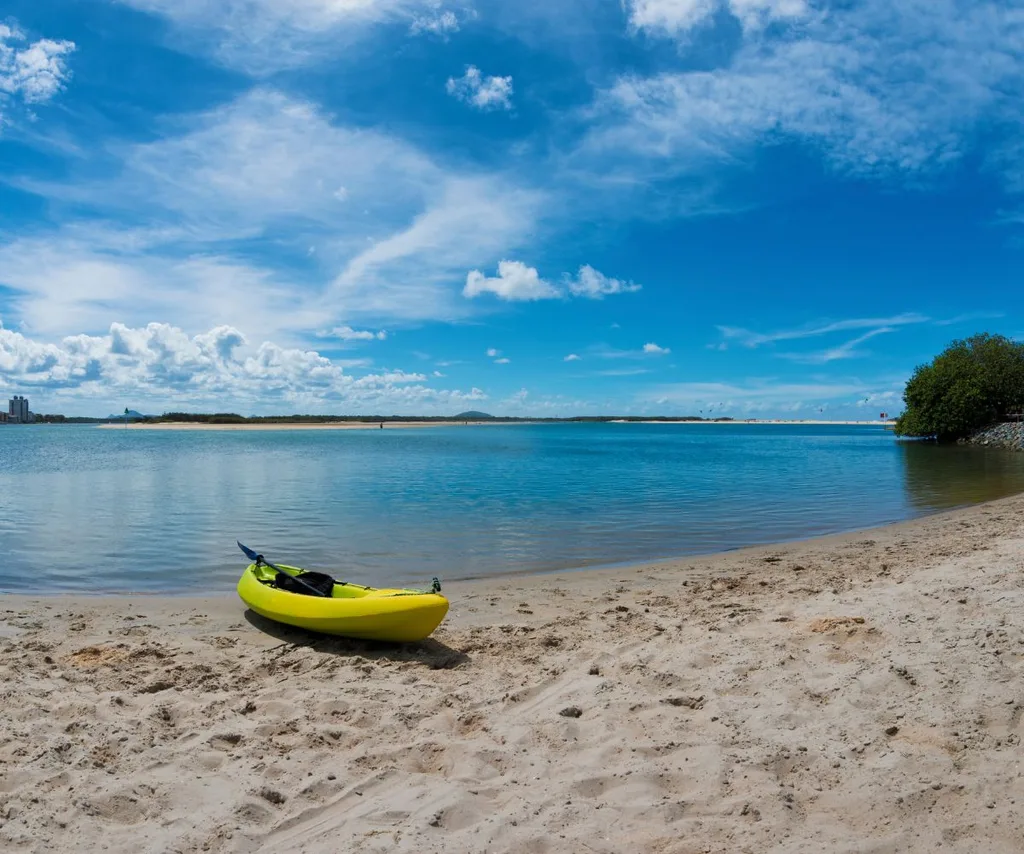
column 859, row 693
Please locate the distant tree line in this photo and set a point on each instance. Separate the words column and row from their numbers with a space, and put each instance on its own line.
column 235, row 418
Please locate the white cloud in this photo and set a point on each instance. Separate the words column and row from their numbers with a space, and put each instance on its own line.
column 484, row 93
column 161, row 363
column 848, row 350
column 31, row 71
column 347, row 333
column 264, row 36
column 669, row 16
column 263, row 167
column 572, row 357
column 678, row 17
column 595, row 285
column 747, row 338
column 650, row 349
column 517, row 282
column 878, row 88
column 502, row 361
column 439, row 24
column 408, row 274
column 755, row 395
column 514, row 282
column 492, row 352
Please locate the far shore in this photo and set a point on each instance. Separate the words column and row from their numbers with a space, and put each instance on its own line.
column 391, row 425
column 327, row 425
column 859, row 692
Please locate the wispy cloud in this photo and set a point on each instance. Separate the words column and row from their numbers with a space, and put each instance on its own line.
column 879, row 89
column 647, row 351
column 480, row 91
column 758, row 395
column 593, row 284
column 265, row 36
column 572, row 357
column 848, row 350
column 441, row 23
column 678, row 17
column 971, row 316
column 347, row 333
column 621, row 372
column 748, row 338
column 263, row 167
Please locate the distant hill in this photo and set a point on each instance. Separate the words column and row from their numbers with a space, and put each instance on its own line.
column 131, row 414
column 472, row 415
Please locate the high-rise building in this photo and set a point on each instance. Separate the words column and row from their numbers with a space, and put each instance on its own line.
column 17, row 410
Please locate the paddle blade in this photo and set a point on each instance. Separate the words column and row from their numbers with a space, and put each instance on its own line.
column 249, row 553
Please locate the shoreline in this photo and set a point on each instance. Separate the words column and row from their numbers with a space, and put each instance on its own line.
column 388, row 425
column 595, row 574
column 860, row 690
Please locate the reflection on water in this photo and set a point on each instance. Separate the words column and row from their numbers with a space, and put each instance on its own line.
column 939, row 477
column 84, row 509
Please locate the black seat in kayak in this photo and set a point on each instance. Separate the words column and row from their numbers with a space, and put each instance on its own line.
column 320, row 581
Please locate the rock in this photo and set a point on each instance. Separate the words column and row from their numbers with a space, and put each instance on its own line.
column 892, row 730
column 1009, row 435
column 571, row 712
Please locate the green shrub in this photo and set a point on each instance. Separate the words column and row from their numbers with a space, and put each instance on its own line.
column 972, row 383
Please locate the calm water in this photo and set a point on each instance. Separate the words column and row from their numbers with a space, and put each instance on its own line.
column 104, row 510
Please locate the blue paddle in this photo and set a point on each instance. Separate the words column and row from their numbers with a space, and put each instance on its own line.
column 259, row 560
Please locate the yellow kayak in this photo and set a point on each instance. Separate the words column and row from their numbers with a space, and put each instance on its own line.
column 351, row 610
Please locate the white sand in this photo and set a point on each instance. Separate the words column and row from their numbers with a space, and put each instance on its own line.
column 857, row 693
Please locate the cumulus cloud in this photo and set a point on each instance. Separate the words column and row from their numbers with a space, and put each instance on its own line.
column 32, row 71
column 484, row 93
column 655, row 350
column 518, row 282
column 163, row 363
column 347, row 333
column 594, row 284
column 572, row 357
column 515, row 282
column 493, row 351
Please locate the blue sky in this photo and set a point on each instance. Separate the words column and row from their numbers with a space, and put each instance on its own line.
column 753, row 208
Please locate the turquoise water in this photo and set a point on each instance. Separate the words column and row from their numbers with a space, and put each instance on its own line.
column 83, row 508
